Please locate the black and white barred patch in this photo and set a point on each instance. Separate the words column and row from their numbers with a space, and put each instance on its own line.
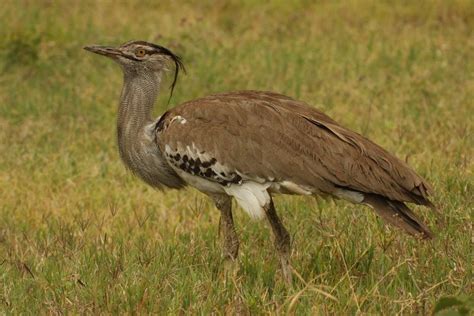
column 202, row 165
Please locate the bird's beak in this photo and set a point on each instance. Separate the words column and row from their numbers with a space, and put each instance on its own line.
column 103, row 50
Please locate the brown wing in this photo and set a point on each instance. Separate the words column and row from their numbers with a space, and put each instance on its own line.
column 270, row 136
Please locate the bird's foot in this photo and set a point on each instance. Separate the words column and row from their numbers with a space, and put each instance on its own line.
column 231, row 268
column 286, row 269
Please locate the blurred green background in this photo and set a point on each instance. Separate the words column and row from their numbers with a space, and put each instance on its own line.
column 79, row 234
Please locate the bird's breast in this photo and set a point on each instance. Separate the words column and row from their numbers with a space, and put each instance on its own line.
column 143, row 157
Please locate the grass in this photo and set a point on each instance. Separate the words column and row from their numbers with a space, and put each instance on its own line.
column 78, row 234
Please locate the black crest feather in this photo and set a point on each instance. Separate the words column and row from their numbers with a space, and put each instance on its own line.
column 178, row 65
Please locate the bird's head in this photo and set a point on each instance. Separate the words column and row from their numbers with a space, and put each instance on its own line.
column 140, row 57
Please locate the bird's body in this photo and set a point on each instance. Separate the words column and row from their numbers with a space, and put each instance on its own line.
column 251, row 144
column 271, row 139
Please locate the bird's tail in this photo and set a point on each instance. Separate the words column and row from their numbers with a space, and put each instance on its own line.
column 398, row 214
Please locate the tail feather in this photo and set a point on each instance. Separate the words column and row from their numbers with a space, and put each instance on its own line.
column 398, row 214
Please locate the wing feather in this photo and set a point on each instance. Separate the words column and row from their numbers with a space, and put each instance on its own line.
column 270, row 136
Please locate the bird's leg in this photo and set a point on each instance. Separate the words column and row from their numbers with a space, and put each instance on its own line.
column 230, row 246
column 282, row 241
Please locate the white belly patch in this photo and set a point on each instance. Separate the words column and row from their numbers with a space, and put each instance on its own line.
column 251, row 196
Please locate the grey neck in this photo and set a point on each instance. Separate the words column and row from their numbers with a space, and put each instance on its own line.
column 139, row 93
column 136, row 143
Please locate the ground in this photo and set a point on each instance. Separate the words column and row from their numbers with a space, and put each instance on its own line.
column 78, row 233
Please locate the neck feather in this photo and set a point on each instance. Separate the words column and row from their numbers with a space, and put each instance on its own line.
column 139, row 93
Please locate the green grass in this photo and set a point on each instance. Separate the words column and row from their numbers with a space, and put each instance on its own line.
column 79, row 234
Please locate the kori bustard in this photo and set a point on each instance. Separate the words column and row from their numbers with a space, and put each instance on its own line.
column 249, row 145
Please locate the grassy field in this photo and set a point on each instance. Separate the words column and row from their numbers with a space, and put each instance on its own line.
column 79, row 234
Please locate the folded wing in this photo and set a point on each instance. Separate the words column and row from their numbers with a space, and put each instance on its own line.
column 270, row 137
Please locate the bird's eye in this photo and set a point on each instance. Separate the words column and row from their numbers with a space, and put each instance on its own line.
column 140, row 52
